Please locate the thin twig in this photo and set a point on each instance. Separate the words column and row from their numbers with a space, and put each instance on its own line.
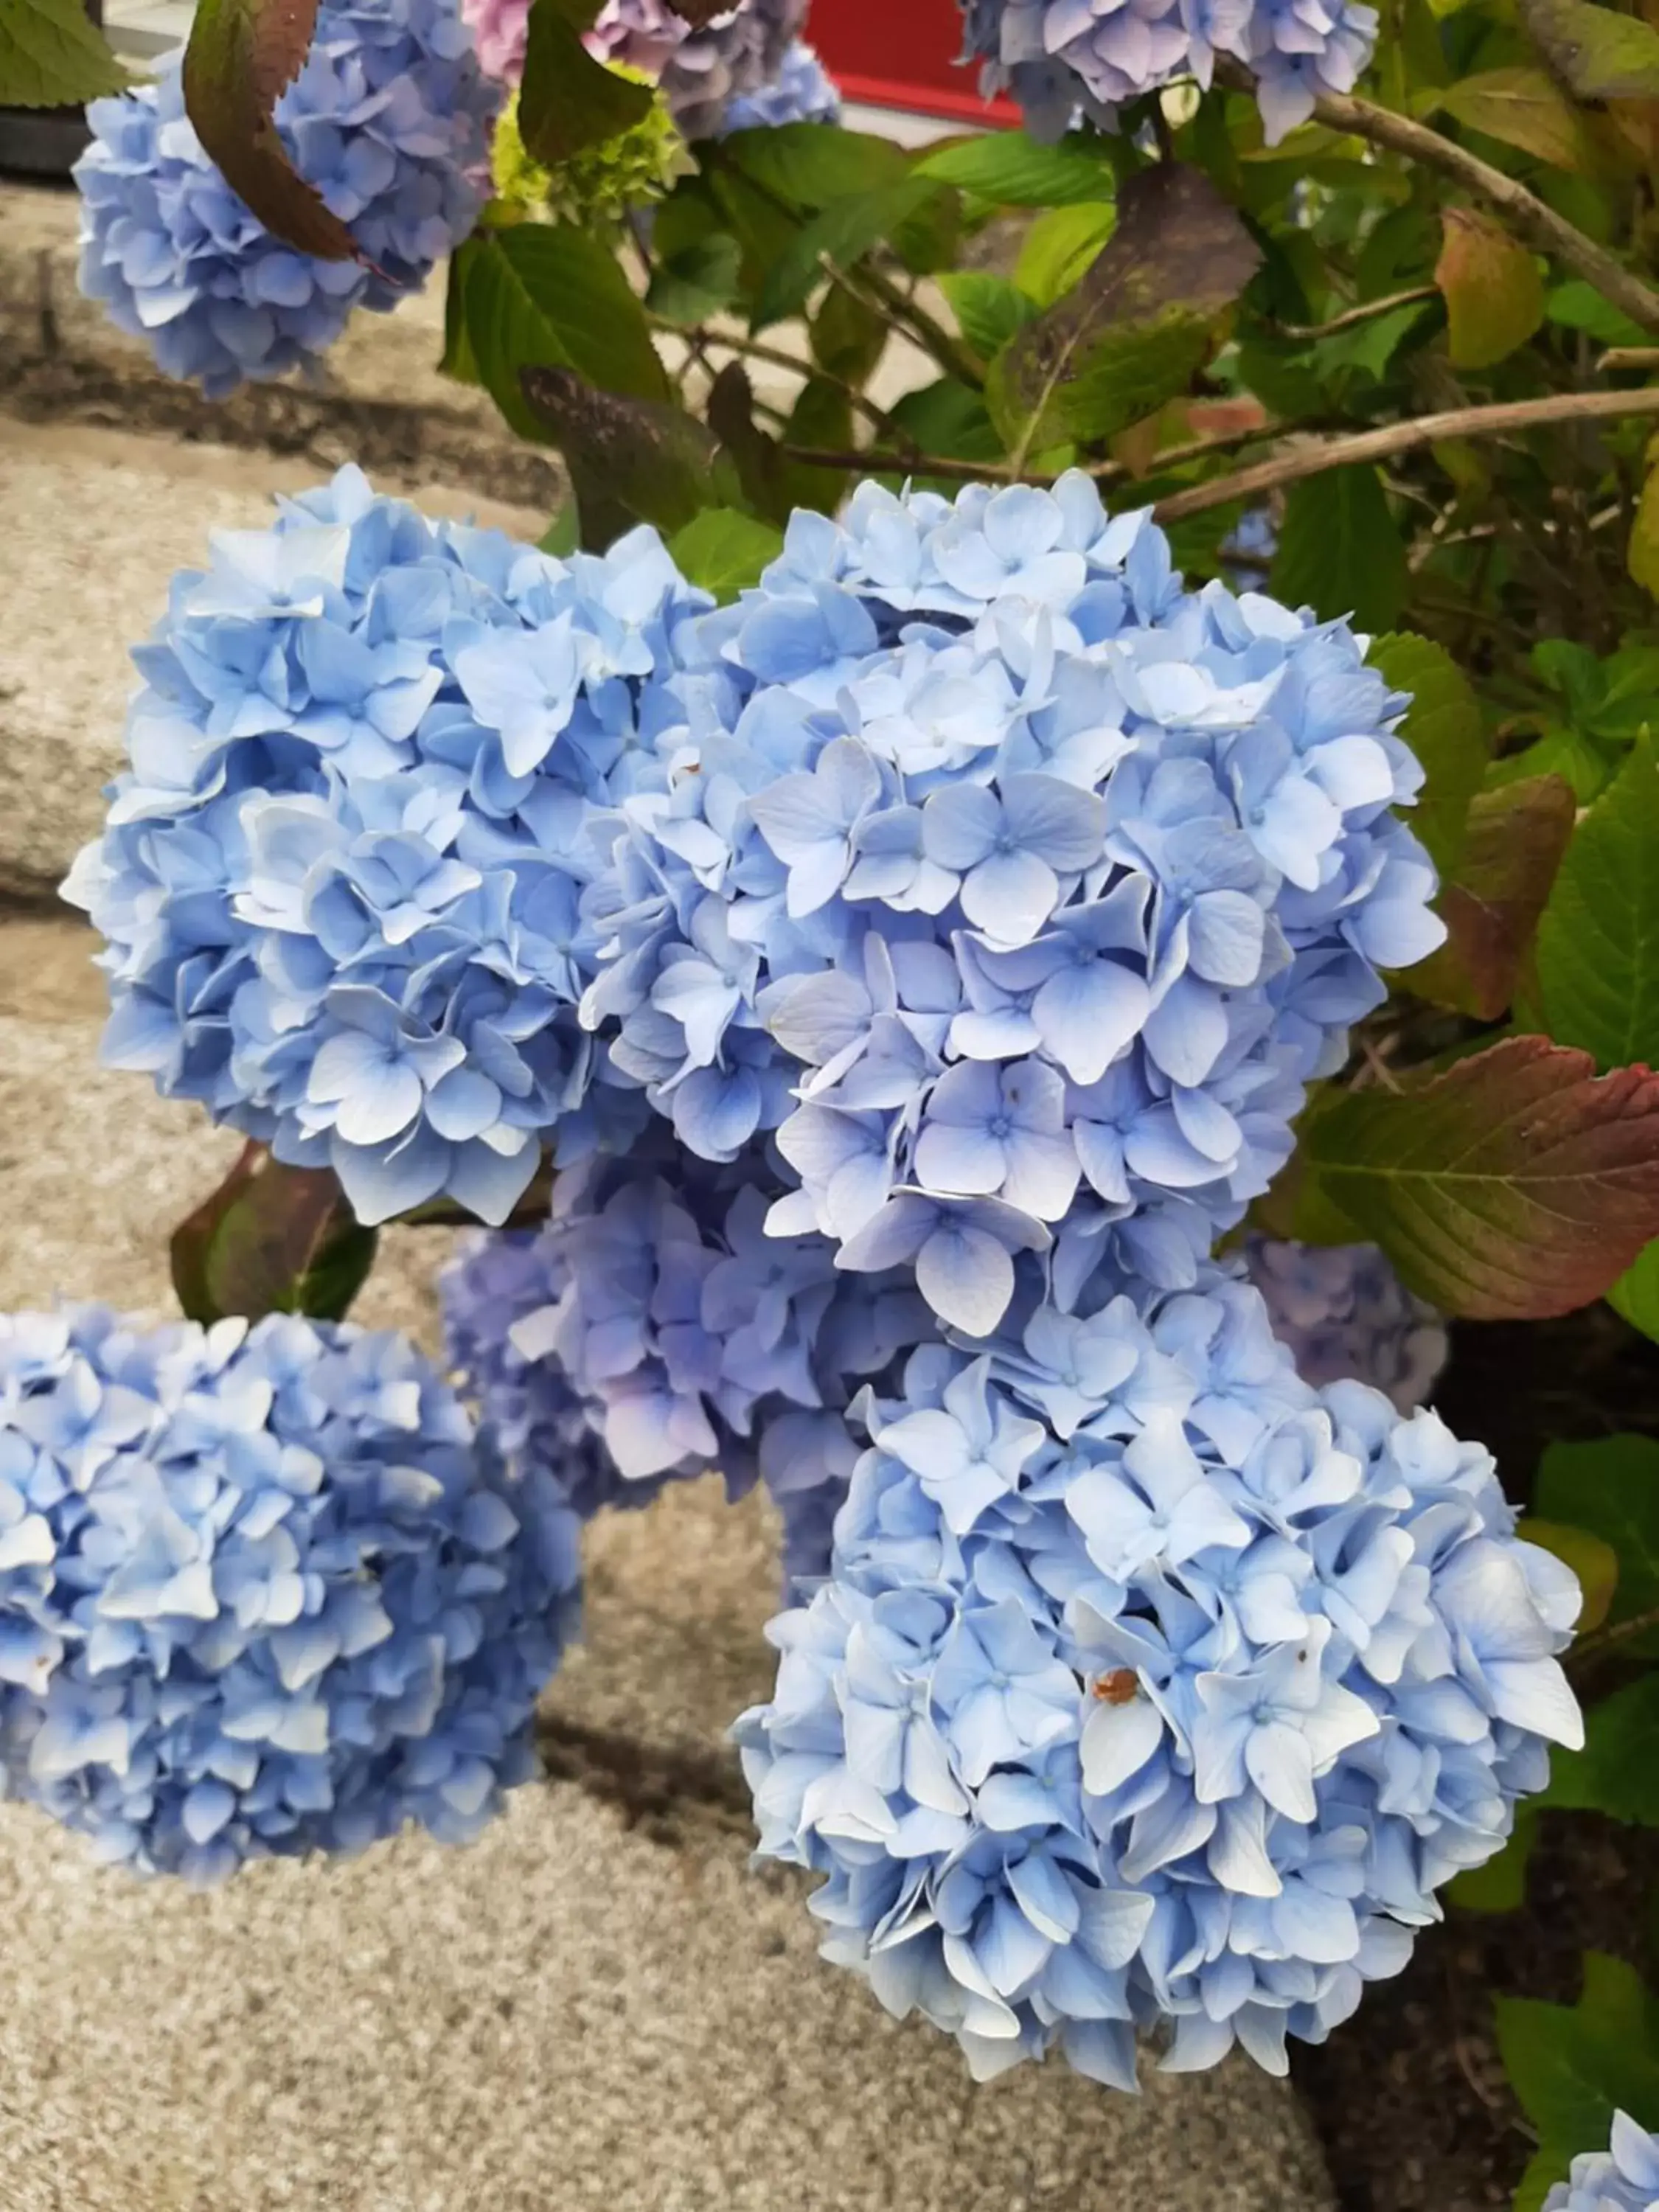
column 1366, row 311
column 952, row 356
column 1314, row 458
column 752, row 350
column 1539, row 225
column 1588, row 1649
column 878, row 461
column 1618, row 357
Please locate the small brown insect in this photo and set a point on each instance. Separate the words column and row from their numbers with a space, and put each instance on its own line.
column 1118, row 1687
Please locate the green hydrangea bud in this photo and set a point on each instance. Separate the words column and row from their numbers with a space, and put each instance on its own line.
column 596, row 187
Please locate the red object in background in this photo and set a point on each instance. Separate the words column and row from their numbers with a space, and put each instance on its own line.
column 902, row 53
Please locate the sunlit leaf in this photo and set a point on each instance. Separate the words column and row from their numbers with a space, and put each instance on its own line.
column 1523, row 107
column 1007, row 168
column 1636, row 1293
column 989, row 309
column 1598, row 941
column 1492, row 286
column 1597, row 52
column 51, row 56
column 1059, row 246
column 725, row 550
column 1443, row 729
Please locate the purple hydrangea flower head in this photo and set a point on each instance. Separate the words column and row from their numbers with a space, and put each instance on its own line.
column 732, row 58
column 341, row 874
column 1343, row 1312
column 1018, row 889
column 653, row 1330
column 388, row 119
column 1623, row 2179
column 639, row 34
column 802, row 92
column 1151, row 1688
column 1063, row 58
column 261, row 1591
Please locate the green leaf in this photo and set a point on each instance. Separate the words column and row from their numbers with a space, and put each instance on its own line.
column 457, row 360
column 725, row 550
column 848, row 336
column 1491, row 283
column 1443, row 730
column 1514, row 839
column 1598, row 53
column 563, row 535
column 1616, row 1772
column 1145, row 317
column 989, row 309
column 1515, row 1186
column 822, row 416
column 271, row 1239
column 1059, row 246
column 1370, row 347
column 702, row 279
column 547, row 296
column 1636, row 1293
column 840, row 234
column 809, row 164
column 1340, row 550
column 568, row 101
column 948, row 419
column 1010, row 170
column 51, row 56
column 1523, row 107
column 1610, row 1487
column 1642, row 553
column 1577, row 306
column 1598, row 943
column 1500, row 1886
column 1572, row 2066
column 242, row 56
column 630, row 460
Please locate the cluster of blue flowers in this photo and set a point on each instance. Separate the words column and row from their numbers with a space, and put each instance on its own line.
column 388, row 119
column 733, row 58
column 342, row 877
column 653, row 1330
column 1019, row 889
column 1624, row 2179
column 261, row 1591
column 1061, row 58
column 802, row 92
column 1151, row 1688
column 1344, row 1312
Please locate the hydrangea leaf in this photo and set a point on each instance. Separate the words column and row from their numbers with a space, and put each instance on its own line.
column 545, row 295
column 1142, row 320
column 1610, row 1487
column 1524, row 108
column 457, row 361
column 989, row 309
column 725, row 550
column 1515, row 837
column 567, row 99
column 809, row 164
column 1340, row 549
column 1598, row 942
column 1492, row 286
column 1598, row 53
column 242, row 57
column 1615, row 1772
column 1442, row 728
column 270, row 1239
column 1636, row 1293
column 840, row 234
column 1012, row 170
column 1643, row 555
column 51, row 56
column 630, row 460
column 703, row 278
column 848, row 336
column 1572, row 2065
column 1577, row 306
column 1515, row 1186
column 1059, row 246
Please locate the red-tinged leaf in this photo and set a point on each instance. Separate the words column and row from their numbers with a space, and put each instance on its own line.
column 1516, row 1186
column 1494, row 292
column 242, row 57
column 1513, row 843
column 270, row 1239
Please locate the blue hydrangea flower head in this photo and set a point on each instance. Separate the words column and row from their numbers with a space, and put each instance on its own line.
column 1063, row 58
column 341, row 876
column 1152, row 1689
column 388, row 119
column 732, row 58
column 802, row 92
column 653, row 1330
column 1343, row 1312
column 261, row 1591
column 1018, row 889
column 1624, row 2179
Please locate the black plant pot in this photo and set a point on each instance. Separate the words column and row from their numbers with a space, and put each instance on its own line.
column 45, row 141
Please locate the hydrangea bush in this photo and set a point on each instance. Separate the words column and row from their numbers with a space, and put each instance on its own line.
column 1623, row 2179
column 1035, row 902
